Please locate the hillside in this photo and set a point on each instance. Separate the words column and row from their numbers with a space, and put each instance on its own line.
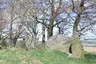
column 41, row 56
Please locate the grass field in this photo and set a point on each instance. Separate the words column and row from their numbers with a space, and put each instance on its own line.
column 41, row 56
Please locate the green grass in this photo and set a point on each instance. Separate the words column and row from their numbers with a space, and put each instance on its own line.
column 43, row 55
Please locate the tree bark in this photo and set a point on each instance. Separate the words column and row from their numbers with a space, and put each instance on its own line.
column 77, row 48
column 50, row 31
column 43, row 36
column 14, row 43
column 76, row 45
column 11, row 24
column 53, row 15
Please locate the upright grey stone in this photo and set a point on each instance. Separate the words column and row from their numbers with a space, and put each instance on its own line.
column 59, row 42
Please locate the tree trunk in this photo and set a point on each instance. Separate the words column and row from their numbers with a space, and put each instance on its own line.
column 50, row 31
column 14, row 43
column 11, row 33
column 11, row 24
column 59, row 32
column 43, row 36
column 77, row 48
column 53, row 15
column 15, row 40
column 0, row 33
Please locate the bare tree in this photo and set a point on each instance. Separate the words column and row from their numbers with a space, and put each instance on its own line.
column 2, row 22
column 53, row 9
column 30, row 20
column 14, row 18
column 79, row 8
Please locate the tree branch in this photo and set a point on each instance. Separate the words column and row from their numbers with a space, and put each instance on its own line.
column 42, row 23
column 59, row 22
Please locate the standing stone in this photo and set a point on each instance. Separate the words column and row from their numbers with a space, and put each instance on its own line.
column 59, row 42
